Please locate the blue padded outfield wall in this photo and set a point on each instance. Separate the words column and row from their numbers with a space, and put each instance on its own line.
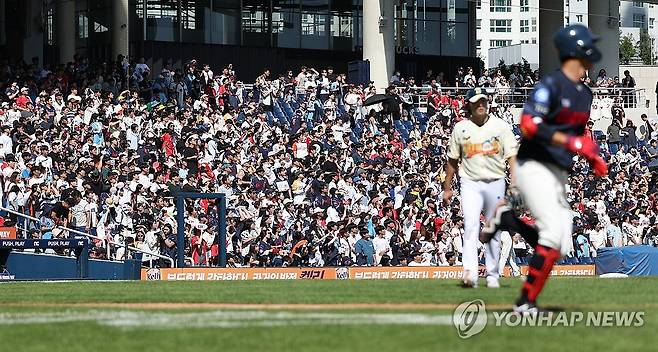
column 630, row 260
column 30, row 266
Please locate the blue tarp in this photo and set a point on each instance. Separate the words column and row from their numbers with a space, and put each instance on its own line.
column 630, row 260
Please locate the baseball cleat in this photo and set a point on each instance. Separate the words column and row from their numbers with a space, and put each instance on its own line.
column 493, row 225
column 527, row 308
column 492, row 282
column 466, row 283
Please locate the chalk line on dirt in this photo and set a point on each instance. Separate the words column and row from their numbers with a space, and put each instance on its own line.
column 257, row 306
column 221, row 318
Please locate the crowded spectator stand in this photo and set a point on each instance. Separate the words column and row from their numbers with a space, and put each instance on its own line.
column 311, row 175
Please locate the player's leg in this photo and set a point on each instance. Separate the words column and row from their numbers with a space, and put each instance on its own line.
column 542, row 188
column 510, row 222
column 505, row 251
column 504, row 219
column 514, row 268
column 493, row 193
column 471, row 201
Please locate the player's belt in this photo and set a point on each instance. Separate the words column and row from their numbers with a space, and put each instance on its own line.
column 490, row 180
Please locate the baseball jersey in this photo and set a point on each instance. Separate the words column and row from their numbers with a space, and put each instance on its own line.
column 482, row 150
column 563, row 106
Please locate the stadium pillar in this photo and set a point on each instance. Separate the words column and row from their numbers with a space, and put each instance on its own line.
column 120, row 28
column 378, row 40
column 221, row 214
column 604, row 22
column 180, row 231
column 32, row 34
column 3, row 24
column 66, row 30
column 551, row 19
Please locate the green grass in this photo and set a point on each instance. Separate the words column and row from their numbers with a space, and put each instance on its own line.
column 583, row 294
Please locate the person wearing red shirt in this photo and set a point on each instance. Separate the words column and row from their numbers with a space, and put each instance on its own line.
column 589, row 132
column 22, row 99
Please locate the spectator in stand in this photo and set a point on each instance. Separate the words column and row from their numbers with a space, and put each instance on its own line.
column 589, row 130
column 484, row 80
column 304, row 174
column 645, row 130
column 459, row 78
column 629, row 137
column 470, row 80
column 515, row 78
column 602, row 79
column 629, row 93
column 652, row 155
column 365, row 250
column 614, row 136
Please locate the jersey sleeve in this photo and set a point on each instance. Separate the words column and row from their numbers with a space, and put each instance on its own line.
column 539, row 101
column 454, row 149
column 536, row 112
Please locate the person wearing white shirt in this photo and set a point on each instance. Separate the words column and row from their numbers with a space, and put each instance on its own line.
column 141, row 70
column 442, row 247
column 597, row 237
column 344, row 249
column 6, row 143
column 419, row 260
column 132, row 135
column 382, row 247
column 630, row 231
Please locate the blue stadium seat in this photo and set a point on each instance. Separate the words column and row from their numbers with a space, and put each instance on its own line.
column 282, row 119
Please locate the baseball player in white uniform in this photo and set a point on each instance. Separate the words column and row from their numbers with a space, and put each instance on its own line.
column 479, row 148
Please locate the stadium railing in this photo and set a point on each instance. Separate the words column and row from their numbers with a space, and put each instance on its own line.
column 106, row 242
column 631, row 98
column 516, row 97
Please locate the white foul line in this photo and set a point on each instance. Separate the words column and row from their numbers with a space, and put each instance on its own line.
column 220, row 318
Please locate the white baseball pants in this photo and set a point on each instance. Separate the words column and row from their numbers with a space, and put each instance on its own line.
column 507, row 254
column 479, row 197
column 542, row 187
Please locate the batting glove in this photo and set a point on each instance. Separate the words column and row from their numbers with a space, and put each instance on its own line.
column 589, row 150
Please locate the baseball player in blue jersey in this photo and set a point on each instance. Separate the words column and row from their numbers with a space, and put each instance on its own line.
column 553, row 126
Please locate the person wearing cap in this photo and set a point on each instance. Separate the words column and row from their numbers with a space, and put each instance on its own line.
column 480, row 149
column 23, row 99
column 553, row 126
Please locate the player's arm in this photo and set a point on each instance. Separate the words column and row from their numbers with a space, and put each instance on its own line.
column 454, row 153
column 533, row 127
column 510, row 148
column 451, row 169
column 511, row 161
column 535, row 112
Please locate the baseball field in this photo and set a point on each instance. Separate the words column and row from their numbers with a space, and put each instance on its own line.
column 387, row 315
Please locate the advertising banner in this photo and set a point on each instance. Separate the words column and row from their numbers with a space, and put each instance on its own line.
column 238, row 274
column 355, row 273
column 44, row 244
column 7, row 233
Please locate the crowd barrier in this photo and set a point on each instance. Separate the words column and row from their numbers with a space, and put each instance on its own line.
column 340, row 273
